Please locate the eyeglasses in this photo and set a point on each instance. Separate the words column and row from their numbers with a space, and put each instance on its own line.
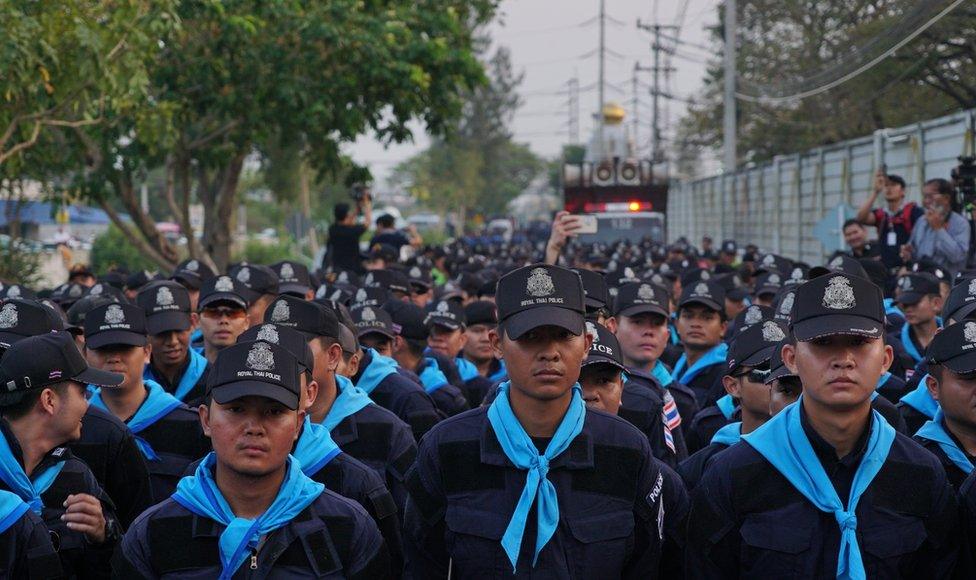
column 217, row 313
column 754, row 375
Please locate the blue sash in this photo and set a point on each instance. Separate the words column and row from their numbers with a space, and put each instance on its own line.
column 157, row 405
column 350, row 400
column 934, row 430
column 522, row 452
column 195, row 370
column 783, row 442
column 714, row 356
column 921, row 400
column 379, row 368
column 27, row 489
column 728, row 435
column 199, row 494
column 315, row 448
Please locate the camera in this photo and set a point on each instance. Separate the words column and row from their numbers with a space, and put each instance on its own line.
column 964, row 176
column 360, row 193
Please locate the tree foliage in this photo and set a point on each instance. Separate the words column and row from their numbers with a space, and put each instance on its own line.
column 781, row 42
column 477, row 166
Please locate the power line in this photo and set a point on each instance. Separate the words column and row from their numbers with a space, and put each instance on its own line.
column 775, row 100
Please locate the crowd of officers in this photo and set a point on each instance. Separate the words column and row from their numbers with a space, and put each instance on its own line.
column 568, row 411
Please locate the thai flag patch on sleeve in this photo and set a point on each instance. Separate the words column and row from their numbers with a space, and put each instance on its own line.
column 672, row 418
column 669, row 439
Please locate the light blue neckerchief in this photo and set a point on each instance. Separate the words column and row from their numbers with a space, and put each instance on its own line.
column 27, row 489
column 350, row 400
column 379, row 368
column 466, row 369
column 714, row 356
column 934, row 430
column 673, row 335
column 662, row 374
column 522, row 452
column 906, row 341
column 726, row 405
column 199, row 494
column 890, row 308
column 12, row 508
column 783, row 442
column 882, row 380
column 500, row 374
column 198, row 364
column 157, row 405
column 315, row 448
column 431, row 377
column 728, row 435
column 921, row 400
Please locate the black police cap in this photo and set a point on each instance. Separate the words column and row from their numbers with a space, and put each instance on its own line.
column 409, row 318
column 605, row 348
column 293, row 278
column 954, row 347
column 166, row 305
column 750, row 316
column 420, row 277
column 540, row 295
column 777, row 368
column 754, row 346
column 773, row 263
column 708, row 293
column 446, row 313
column 257, row 280
column 105, row 289
column 112, row 324
column 837, row 304
column 595, row 291
column 309, row 318
column 195, row 268
column 289, row 338
column 913, row 287
column 783, row 305
column 373, row 320
column 259, row 369
column 21, row 318
column 798, row 275
column 47, row 359
column 481, row 312
column 375, row 297
column 840, row 263
column 640, row 297
column 961, row 302
column 222, row 289
column 17, row 291
column 769, row 283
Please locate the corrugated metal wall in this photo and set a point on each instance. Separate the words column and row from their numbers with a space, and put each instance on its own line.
column 777, row 204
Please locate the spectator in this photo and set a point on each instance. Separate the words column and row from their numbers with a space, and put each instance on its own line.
column 344, row 234
column 856, row 236
column 894, row 223
column 386, row 233
column 943, row 236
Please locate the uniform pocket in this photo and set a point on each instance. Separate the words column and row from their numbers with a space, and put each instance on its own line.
column 474, row 542
column 890, row 548
column 601, row 544
column 770, row 548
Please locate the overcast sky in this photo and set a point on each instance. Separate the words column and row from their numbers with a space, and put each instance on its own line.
column 554, row 40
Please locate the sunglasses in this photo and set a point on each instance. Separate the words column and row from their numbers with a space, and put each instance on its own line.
column 755, row 375
column 217, row 313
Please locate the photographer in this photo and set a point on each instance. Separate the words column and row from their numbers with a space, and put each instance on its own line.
column 894, row 222
column 343, row 245
column 387, row 233
column 944, row 234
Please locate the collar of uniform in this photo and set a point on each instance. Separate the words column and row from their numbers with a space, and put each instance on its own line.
column 363, row 363
column 53, row 456
column 826, row 452
column 346, row 431
column 303, row 524
column 579, row 455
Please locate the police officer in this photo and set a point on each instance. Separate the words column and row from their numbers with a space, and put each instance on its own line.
column 832, row 488
column 535, row 483
column 702, row 324
column 919, row 299
column 748, row 365
column 293, row 279
column 482, row 318
column 951, row 435
column 167, row 432
column 223, row 314
column 248, row 504
column 43, row 403
column 447, row 327
column 180, row 370
column 260, row 288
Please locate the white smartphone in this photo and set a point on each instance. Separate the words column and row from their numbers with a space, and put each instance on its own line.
column 588, row 224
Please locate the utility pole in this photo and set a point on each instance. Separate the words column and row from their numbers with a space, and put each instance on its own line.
column 656, row 92
column 729, row 133
column 572, row 90
column 602, row 57
column 635, row 106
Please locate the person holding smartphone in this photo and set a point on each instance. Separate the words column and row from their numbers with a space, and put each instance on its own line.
column 943, row 236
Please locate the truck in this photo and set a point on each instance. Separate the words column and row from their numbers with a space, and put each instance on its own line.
column 622, row 191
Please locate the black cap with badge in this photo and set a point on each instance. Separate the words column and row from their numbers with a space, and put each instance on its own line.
column 481, row 312
column 20, row 319
column 293, row 341
column 783, row 305
column 837, row 304
column 729, row 247
column 708, row 293
column 954, row 347
column 913, row 287
column 839, row 263
column 167, row 307
column 595, row 290
column 369, row 319
column 961, row 302
column 293, row 278
column 222, row 289
column 113, row 324
column 257, row 280
column 777, row 368
column 754, row 346
column 390, row 280
column 47, row 359
column 446, row 313
column 309, row 318
column 255, row 369
column 375, row 297
column 105, row 289
column 540, row 295
column 420, row 278
column 605, row 349
column 17, row 291
column 769, row 283
column 750, row 316
column 640, row 297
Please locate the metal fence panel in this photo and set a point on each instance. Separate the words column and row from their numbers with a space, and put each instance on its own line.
column 776, row 205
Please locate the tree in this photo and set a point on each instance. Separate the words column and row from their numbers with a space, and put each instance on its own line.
column 65, row 62
column 239, row 77
column 787, row 45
